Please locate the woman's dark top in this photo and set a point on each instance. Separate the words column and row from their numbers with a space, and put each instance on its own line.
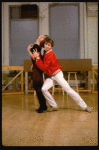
column 36, row 46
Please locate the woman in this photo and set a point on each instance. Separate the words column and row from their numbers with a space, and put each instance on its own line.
column 37, row 73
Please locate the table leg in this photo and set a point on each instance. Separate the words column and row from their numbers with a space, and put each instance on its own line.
column 26, row 82
column 89, row 80
column 22, row 81
column 93, row 80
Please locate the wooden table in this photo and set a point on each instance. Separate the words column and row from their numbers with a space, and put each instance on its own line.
column 68, row 65
column 21, row 68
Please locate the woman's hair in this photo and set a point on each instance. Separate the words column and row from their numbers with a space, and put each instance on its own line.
column 35, row 46
column 48, row 40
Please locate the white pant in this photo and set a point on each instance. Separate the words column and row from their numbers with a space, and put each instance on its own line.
column 63, row 83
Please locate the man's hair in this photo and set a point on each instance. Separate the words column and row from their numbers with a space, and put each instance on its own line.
column 46, row 36
column 48, row 40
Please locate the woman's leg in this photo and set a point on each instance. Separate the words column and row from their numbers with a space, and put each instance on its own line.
column 37, row 84
column 46, row 86
column 60, row 79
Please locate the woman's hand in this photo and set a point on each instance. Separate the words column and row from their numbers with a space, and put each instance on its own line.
column 30, row 53
column 31, row 67
column 29, row 47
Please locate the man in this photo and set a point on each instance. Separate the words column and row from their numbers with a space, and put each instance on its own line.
column 52, row 68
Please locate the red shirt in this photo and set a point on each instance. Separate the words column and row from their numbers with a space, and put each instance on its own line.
column 49, row 64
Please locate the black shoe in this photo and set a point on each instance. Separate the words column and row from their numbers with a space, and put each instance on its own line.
column 40, row 111
column 45, row 109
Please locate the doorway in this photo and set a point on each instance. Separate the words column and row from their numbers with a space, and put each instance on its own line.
column 22, row 33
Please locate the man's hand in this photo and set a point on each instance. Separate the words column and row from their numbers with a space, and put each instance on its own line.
column 35, row 53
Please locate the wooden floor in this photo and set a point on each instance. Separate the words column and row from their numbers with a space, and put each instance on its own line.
column 69, row 126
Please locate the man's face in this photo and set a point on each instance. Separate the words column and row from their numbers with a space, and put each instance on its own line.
column 47, row 46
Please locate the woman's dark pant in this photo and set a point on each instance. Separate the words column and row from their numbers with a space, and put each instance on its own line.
column 37, row 84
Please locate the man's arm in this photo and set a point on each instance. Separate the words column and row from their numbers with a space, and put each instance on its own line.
column 43, row 65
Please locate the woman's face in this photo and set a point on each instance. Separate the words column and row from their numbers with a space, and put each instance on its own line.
column 42, row 38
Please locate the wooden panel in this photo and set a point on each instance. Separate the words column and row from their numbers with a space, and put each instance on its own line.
column 12, row 93
column 94, row 67
column 76, row 64
column 68, row 64
column 12, row 68
column 21, row 72
column 27, row 65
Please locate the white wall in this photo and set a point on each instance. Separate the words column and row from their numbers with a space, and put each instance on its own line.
column 88, row 32
column 93, row 39
column 5, row 34
column 44, row 18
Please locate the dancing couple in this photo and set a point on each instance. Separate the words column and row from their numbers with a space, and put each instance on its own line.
column 49, row 63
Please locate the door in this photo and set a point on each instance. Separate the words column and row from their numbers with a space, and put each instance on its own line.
column 64, row 30
column 22, row 33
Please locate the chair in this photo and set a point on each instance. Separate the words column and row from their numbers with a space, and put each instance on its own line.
column 75, row 73
column 27, row 84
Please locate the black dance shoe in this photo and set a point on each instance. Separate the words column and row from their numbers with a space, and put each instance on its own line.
column 40, row 111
